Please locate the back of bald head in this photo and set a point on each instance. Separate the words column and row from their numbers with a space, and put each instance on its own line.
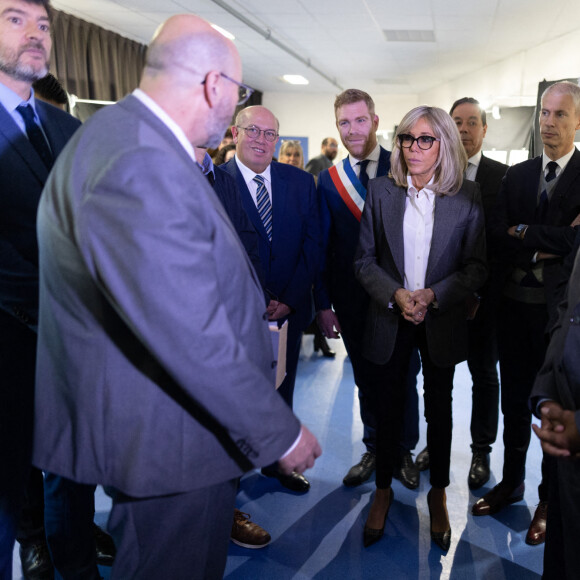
column 185, row 46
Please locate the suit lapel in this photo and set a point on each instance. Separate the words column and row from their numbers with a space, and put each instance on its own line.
column 392, row 213
column 18, row 141
column 279, row 197
column 247, row 201
column 444, row 219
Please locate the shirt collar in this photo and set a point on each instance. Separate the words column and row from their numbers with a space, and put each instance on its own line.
column 166, row 120
column 10, row 100
column 562, row 162
column 372, row 156
column 248, row 174
column 412, row 190
column 475, row 159
column 207, row 165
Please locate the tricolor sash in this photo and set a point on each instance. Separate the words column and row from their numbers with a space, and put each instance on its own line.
column 349, row 187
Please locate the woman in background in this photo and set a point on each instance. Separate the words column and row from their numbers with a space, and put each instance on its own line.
column 291, row 153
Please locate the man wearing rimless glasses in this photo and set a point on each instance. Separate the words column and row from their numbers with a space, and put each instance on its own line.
column 281, row 203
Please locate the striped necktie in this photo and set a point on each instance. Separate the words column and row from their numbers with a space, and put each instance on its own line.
column 264, row 205
column 35, row 135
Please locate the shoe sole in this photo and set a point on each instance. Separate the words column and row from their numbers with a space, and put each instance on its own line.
column 250, row 546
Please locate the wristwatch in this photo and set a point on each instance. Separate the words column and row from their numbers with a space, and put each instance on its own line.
column 520, row 231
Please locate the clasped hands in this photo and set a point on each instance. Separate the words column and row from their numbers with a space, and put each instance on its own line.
column 413, row 305
column 277, row 310
column 558, row 432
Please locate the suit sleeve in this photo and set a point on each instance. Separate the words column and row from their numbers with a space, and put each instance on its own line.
column 505, row 214
column 321, row 296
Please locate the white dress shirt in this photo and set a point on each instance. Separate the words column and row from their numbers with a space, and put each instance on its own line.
column 417, row 234
column 249, row 175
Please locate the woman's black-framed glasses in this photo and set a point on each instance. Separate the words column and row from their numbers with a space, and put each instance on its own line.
column 244, row 91
column 424, row 142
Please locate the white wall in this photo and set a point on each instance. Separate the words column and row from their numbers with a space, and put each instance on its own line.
column 513, row 82
column 312, row 116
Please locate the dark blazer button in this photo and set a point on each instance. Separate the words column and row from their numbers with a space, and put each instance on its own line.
column 274, row 364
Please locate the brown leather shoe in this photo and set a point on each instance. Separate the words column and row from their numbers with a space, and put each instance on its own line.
column 537, row 531
column 499, row 497
column 248, row 534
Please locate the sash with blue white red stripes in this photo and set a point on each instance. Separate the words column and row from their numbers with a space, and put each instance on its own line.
column 349, row 187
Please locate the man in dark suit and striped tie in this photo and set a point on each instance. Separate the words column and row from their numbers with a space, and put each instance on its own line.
column 281, row 203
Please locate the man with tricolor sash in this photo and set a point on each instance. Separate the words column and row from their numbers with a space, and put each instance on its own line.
column 341, row 302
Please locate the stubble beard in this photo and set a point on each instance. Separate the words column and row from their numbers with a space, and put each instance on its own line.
column 11, row 66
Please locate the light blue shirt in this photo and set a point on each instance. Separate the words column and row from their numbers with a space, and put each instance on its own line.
column 10, row 100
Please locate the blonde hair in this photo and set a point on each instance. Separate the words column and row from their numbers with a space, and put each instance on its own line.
column 452, row 159
column 292, row 145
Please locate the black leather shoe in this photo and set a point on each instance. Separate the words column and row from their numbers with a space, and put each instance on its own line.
column 321, row 344
column 537, row 532
column 36, row 562
column 442, row 539
column 360, row 472
column 294, row 481
column 499, row 497
column 407, row 473
column 479, row 470
column 106, row 550
column 422, row 461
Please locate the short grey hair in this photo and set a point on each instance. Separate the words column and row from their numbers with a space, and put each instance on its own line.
column 565, row 88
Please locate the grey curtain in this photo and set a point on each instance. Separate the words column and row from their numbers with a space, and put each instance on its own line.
column 94, row 63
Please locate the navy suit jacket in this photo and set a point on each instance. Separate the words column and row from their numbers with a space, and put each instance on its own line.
column 290, row 261
column 337, row 286
column 516, row 204
column 22, row 177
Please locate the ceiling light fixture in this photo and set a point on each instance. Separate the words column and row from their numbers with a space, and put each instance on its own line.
column 295, row 80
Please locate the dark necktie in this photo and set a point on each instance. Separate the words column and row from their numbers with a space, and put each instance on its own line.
column 35, row 135
column 264, row 205
column 363, row 176
column 210, row 178
column 543, row 204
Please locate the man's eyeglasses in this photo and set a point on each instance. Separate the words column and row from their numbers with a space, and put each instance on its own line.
column 244, row 91
column 424, row 142
column 253, row 133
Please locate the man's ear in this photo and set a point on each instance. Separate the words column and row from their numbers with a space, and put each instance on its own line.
column 211, row 88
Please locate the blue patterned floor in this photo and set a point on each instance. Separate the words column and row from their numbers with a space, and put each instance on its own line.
column 319, row 535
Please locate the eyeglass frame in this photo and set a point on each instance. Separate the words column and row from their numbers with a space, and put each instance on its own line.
column 254, row 128
column 413, row 139
column 249, row 90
